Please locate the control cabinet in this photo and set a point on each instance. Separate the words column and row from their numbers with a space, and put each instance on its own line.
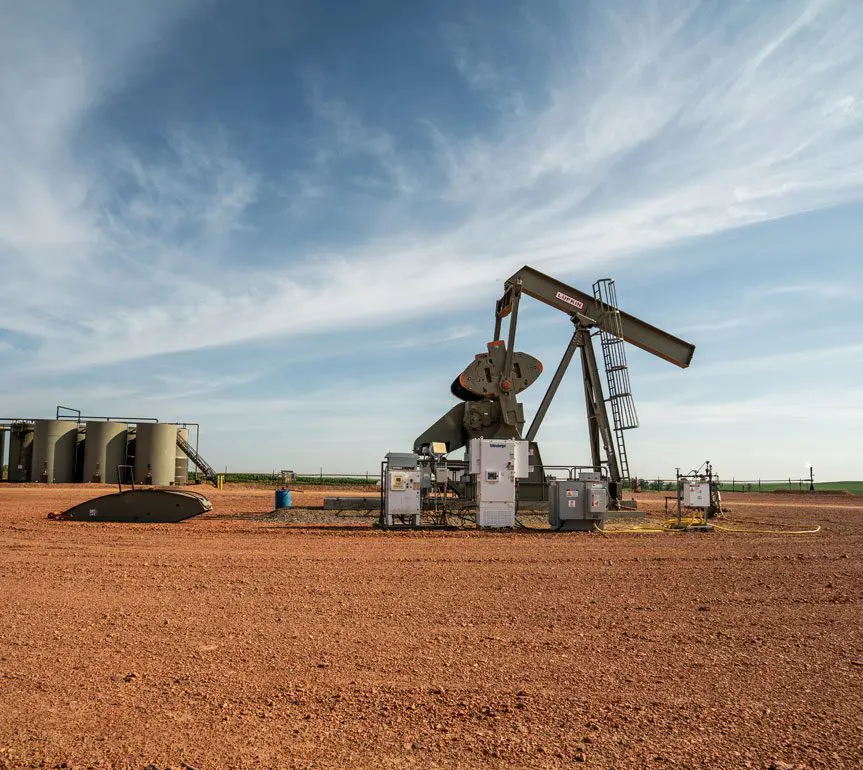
column 496, row 464
column 577, row 505
column 402, row 497
column 696, row 494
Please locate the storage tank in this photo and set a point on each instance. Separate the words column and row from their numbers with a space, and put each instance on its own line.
column 3, row 431
column 104, row 450
column 20, row 452
column 181, row 475
column 80, row 439
column 127, row 475
column 156, row 454
column 54, row 445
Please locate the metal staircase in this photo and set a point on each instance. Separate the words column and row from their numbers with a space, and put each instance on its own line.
column 199, row 462
column 623, row 411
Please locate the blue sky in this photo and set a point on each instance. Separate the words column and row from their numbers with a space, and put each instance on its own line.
column 289, row 221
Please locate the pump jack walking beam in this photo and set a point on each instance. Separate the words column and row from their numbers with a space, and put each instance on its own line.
column 574, row 302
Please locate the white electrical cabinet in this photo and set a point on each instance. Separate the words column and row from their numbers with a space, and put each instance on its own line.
column 495, row 465
column 696, row 494
column 402, row 495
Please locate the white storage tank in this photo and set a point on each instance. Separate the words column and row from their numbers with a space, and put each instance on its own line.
column 104, row 450
column 156, row 454
column 181, row 474
column 55, row 443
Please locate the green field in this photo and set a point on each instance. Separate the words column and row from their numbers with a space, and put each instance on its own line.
column 852, row 487
column 795, row 485
column 324, row 480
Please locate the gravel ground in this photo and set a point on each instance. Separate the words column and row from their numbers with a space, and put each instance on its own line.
column 243, row 640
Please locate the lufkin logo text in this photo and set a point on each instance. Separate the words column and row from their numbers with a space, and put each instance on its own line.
column 570, row 300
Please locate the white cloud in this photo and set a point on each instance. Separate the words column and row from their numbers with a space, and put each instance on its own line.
column 659, row 126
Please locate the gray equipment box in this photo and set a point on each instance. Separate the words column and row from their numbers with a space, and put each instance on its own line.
column 402, row 460
column 589, row 476
column 577, row 505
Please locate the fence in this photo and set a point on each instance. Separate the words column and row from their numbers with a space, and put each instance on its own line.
column 321, row 477
column 734, row 485
column 329, row 478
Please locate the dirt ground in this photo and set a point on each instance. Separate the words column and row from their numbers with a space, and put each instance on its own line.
column 237, row 640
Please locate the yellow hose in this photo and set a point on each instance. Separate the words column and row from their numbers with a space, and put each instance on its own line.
column 630, row 530
column 671, row 525
column 772, row 531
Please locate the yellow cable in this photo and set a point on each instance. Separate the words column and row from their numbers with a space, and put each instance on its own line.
column 671, row 525
column 772, row 531
column 632, row 530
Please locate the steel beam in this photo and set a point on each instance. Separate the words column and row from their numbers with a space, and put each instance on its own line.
column 571, row 301
column 553, row 386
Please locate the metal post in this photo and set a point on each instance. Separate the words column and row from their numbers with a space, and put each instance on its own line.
column 553, row 386
column 601, row 423
column 811, row 478
column 510, row 346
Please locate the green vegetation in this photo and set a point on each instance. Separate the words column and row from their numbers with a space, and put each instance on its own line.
column 271, row 479
column 795, row 485
column 854, row 487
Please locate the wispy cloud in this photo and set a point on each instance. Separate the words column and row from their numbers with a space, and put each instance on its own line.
column 661, row 124
column 814, row 290
column 817, row 406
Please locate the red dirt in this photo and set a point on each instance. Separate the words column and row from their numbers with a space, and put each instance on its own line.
column 229, row 641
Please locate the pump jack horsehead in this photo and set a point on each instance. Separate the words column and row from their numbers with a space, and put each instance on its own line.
column 489, row 386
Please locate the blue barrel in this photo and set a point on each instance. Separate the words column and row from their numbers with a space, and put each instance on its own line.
column 283, row 498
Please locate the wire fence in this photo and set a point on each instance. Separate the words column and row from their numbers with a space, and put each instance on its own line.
column 320, row 477
column 736, row 485
column 323, row 477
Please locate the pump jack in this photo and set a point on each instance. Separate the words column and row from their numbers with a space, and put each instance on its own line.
column 489, row 386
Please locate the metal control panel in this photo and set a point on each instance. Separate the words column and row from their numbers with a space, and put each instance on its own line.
column 577, row 505
column 402, row 496
column 696, row 494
